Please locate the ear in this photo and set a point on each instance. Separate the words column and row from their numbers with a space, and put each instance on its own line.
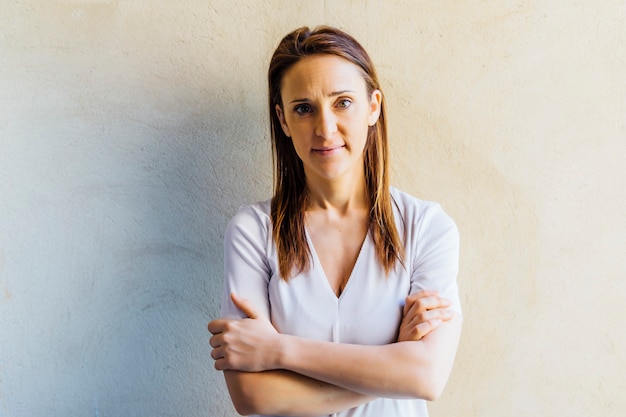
column 375, row 105
column 283, row 123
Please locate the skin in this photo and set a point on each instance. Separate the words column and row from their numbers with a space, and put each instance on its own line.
column 283, row 392
column 326, row 112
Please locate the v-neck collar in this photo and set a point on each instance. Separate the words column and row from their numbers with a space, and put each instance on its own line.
column 317, row 265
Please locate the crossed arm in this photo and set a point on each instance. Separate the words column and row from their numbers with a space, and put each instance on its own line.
column 270, row 373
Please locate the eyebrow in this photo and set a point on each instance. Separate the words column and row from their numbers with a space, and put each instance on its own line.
column 333, row 94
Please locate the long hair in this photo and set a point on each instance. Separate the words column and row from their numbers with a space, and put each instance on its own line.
column 290, row 191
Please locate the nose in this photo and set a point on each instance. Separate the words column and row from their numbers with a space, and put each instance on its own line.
column 326, row 124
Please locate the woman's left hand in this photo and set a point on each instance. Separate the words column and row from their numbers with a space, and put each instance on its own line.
column 249, row 344
column 423, row 312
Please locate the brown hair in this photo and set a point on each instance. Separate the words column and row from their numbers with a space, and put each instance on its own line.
column 290, row 196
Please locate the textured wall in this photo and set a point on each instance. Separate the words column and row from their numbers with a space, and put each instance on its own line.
column 130, row 131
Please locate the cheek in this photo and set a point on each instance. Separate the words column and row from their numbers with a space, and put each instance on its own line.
column 299, row 144
column 360, row 131
column 300, row 131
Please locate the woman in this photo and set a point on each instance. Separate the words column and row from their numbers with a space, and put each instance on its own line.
column 340, row 293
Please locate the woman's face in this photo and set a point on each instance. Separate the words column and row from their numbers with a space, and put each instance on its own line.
column 326, row 112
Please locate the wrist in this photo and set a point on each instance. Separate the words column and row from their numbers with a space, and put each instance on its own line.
column 281, row 351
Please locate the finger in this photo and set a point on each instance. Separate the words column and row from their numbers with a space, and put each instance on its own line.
column 408, row 304
column 415, row 318
column 244, row 305
column 431, row 303
column 423, row 293
column 426, row 327
column 215, row 341
column 428, row 315
column 217, row 354
column 420, row 330
column 447, row 315
column 411, row 299
column 221, row 364
column 216, row 326
column 445, row 302
column 419, row 305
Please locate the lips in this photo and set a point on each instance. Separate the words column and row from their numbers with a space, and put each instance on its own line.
column 328, row 150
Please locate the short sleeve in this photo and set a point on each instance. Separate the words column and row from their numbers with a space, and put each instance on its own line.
column 436, row 256
column 246, row 268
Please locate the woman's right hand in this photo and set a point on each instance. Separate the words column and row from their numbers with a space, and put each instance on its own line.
column 423, row 312
column 243, row 344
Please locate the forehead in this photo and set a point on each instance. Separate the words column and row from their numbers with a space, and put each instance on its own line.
column 322, row 74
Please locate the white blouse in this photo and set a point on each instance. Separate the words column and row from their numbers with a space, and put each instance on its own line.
column 369, row 309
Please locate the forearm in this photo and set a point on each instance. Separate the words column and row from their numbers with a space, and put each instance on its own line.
column 286, row 393
column 414, row 369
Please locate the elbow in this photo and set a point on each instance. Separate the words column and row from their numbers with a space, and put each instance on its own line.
column 429, row 385
column 432, row 393
column 242, row 403
column 437, row 381
column 244, row 397
column 431, row 376
column 243, row 409
column 429, row 392
column 246, row 404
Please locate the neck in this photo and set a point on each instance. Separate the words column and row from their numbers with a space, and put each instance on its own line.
column 342, row 195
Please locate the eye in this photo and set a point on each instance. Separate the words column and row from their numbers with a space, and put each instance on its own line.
column 302, row 109
column 344, row 103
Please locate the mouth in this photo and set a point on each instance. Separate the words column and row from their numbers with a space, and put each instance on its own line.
column 328, row 150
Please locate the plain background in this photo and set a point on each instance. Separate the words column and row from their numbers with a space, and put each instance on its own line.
column 131, row 131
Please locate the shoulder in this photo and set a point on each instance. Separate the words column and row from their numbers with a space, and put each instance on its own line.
column 250, row 219
column 257, row 212
column 421, row 214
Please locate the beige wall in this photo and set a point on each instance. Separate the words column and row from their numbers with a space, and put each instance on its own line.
column 130, row 131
